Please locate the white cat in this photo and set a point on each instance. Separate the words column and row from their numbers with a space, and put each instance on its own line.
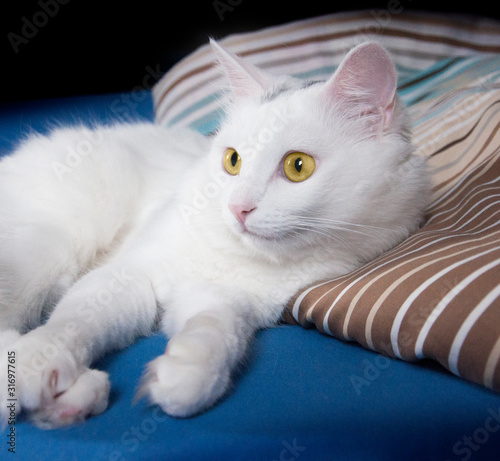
column 208, row 237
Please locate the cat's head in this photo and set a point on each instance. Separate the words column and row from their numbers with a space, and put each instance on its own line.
column 316, row 164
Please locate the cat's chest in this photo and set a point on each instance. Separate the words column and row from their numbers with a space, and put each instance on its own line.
column 213, row 255
column 205, row 249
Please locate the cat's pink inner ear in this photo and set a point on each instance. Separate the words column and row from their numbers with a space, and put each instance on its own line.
column 366, row 81
column 245, row 79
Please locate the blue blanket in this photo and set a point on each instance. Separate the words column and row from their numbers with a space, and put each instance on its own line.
column 299, row 395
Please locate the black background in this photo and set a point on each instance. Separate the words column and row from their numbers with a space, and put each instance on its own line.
column 91, row 46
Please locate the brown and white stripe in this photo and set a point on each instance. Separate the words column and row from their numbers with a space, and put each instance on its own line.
column 189, row 93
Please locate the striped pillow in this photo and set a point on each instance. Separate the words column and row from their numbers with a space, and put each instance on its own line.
column 436, row 295
column 189, row 94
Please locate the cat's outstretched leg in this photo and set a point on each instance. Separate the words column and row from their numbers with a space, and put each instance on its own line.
column 203, row 351
column 106, row 309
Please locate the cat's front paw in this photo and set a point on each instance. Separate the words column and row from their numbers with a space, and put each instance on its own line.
column 52, row 392
column 86, row 396
column 184, row 382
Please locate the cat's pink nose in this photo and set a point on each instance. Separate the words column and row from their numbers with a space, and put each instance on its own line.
column 241, row 211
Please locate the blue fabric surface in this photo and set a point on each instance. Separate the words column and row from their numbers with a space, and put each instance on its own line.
column 299, row 395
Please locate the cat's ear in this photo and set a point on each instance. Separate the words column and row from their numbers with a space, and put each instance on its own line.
column 245, row 79
column 365, row 85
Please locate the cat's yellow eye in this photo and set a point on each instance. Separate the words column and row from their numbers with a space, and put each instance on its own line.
column 298, row 166
column 232, row 161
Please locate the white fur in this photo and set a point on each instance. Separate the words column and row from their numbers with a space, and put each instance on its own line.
column 106, row 231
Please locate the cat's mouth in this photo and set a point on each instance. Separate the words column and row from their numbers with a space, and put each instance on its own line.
column 266, row 235
column 252, row 233
column 261, row 234
column 258, row 236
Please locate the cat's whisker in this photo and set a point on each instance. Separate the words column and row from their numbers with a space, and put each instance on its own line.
column 343, row 226
column 323, row 232
column 324, row 226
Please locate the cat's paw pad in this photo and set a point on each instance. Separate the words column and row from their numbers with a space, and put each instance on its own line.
column 72, row 402
column 182, row 384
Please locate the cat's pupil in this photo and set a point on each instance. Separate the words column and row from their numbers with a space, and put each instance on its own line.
column 234, row 159
column 298, row 164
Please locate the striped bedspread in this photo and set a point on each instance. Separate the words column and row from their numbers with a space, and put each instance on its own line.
column 436, row 295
